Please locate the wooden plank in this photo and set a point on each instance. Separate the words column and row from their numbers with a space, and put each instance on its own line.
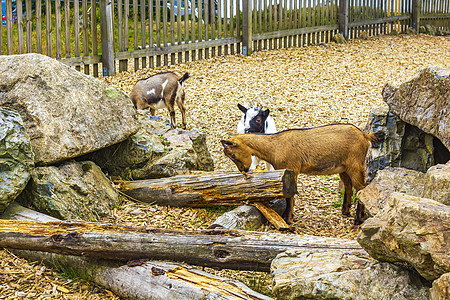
column 76, row 29
column 200, row 28
column 272, row 216
column 206, row 21
column 80, row 61
column 107, row 38
column 19, row 26
column 247, row 28
column 179, row 36
column 219, row 25
column 158, row 31
column 213, row 25
column 135, row 32
column 169, row 49
column 48, row 29
column 58, row 26
column 120, row 38
column 193, row 31
column 143, row 32
column 85, row 18
column 94, row 32
column 225, row 25
column 38, row 26
column 232, row 32
column 151, row 41
column 297, row 31
column 29, row 27
column 238, row 26
column 379, row 21
column 165, row 37
column 344, row 18
column 9, row 32
column 172, row 30
column 67, row 28
column 126, row 30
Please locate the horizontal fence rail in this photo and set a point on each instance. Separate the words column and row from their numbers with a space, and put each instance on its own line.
column 100, row 38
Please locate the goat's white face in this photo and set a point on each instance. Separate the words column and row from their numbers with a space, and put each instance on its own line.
column 253, row 121
column 238, row 153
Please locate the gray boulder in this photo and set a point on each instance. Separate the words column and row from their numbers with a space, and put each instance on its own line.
column 65, row 113
column 155, row 151
column 72, row 190
column 247, row 217
column 412, row 230
column 441, row 288
column 405, row 145
column 423, row 102
column 16, row 157
column 337, row 275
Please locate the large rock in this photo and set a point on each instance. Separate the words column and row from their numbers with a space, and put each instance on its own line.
column 16, row 157
column 405, row 145
column 413, row 230
column 435, row 184
column 375, row 196
column 65, row 112
column 155, row 151
column 337, row 275
column 441, row 288
column 423, row 102
column 438, row 183
column 72, row 190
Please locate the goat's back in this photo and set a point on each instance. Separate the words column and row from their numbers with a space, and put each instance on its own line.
column 153, row 89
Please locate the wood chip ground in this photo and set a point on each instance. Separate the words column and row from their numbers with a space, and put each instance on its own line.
column 302, row 87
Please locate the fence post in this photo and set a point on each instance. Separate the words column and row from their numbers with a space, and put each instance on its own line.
column 415, row 14
column 343, row 18
column 107, row 37
column 246, row 28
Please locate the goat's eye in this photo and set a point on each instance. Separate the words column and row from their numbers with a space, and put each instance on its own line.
column 258, row 120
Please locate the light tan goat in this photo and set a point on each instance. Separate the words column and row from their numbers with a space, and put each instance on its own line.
column 325, row 150
column 159, row 91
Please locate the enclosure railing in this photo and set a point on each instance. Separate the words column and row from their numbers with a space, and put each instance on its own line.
column 117, row 34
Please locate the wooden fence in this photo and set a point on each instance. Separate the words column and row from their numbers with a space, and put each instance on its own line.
column 116, row 34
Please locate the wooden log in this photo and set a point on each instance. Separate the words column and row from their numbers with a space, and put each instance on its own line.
column 137, row 280
column 239, row 250
column 210, row 189
column 272, row 216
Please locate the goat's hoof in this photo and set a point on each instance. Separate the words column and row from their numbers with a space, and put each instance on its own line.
column 346, row 213
column 357, row 222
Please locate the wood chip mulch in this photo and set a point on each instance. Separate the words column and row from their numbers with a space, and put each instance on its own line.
column 302, row 87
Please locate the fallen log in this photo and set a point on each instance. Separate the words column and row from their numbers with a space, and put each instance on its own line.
column 210, row 189
column 239, row 250
column 137, row 280
column 150, row 280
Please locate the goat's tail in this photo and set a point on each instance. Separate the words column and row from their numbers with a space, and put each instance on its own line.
column 183, row 78
column 377, row 137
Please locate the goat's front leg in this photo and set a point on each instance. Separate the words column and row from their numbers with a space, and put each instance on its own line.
column 172, row 116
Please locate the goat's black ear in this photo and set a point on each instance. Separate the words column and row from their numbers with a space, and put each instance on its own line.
column 266, row 113
column 242, row 108
column 226, row 143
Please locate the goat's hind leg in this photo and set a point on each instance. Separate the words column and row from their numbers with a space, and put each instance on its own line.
column 180, row 104
column 348, row 193
column 359, row 182
column 173, row 121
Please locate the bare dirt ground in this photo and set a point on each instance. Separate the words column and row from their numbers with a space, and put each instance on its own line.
column 302, row 87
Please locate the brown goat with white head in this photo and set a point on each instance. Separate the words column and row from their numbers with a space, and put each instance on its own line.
column 325, row 150
column 159, row 91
